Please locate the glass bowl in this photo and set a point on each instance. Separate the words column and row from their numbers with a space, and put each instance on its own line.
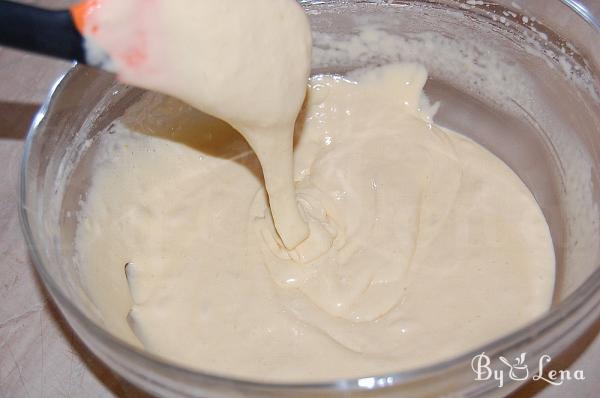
column 519, row 77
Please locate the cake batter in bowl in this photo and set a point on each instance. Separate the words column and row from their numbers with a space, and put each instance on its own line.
column 516, row 87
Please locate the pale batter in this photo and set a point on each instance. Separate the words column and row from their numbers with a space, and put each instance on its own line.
column 423, row 244
column 393, row 244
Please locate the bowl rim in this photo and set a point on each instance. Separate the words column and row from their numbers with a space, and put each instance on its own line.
column 568, row 308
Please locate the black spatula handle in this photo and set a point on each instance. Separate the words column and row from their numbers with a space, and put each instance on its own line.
column 39, row 30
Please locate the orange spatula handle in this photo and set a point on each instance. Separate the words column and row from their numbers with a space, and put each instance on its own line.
column 81, row 11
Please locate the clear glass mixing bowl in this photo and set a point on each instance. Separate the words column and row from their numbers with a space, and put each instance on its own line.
column 519, row 77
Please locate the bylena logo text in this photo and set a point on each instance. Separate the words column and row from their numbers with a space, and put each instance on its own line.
column 518, row 370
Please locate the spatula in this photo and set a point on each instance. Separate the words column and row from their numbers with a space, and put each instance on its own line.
column 57, row 33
